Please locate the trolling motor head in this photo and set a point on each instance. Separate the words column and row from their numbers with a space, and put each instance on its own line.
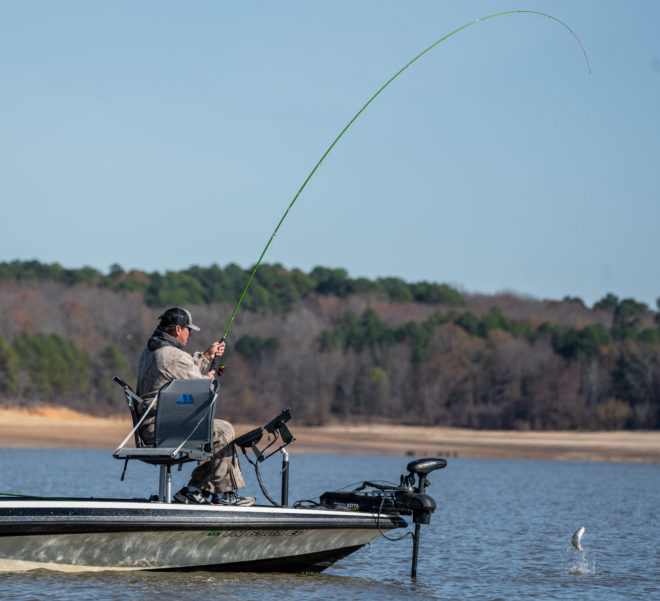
column 426, row 466
column 413, row 499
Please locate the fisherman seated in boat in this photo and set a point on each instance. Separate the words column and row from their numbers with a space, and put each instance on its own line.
column 163, row 359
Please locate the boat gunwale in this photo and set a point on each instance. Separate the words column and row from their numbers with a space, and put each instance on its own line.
column 38, row 516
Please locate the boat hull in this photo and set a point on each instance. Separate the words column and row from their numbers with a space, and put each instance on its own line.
column 118, row 535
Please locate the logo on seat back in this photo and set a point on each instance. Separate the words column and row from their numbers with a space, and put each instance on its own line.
column 185, row 400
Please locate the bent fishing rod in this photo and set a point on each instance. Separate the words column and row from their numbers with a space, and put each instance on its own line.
column 343, row 131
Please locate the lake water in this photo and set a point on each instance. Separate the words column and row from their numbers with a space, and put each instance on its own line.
column 502, row 530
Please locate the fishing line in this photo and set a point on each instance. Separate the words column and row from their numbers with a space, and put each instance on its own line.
column 343, row 131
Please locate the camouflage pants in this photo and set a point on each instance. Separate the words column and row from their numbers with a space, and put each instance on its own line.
column 219, row 473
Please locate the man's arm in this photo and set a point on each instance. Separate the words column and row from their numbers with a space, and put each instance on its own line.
column 181, row 365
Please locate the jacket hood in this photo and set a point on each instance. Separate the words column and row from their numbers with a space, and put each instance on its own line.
column 160, row 339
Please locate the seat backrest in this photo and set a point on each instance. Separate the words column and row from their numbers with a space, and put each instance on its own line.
column 132, row 399
column 184, row 416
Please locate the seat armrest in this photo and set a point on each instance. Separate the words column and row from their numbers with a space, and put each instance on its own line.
column 146, row 452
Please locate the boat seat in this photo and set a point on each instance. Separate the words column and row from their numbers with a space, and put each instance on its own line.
column 183, row 427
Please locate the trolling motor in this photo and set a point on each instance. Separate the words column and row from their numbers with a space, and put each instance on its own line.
column 405, row 499
column 421, row 505
column 277, row 430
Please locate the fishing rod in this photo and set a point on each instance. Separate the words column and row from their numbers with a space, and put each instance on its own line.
column 343, row 131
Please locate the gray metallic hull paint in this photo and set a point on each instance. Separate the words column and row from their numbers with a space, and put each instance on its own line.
column 119, row 535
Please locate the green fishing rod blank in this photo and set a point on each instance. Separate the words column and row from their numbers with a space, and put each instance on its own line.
column 343, row 131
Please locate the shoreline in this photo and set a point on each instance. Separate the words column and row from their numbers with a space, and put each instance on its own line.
column 64, row 428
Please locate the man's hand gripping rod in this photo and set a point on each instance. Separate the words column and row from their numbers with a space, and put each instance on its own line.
column 216, row 363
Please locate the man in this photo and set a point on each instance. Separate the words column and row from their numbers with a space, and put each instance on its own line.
column 163, row 359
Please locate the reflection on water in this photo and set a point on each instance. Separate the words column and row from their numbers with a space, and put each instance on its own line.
column 502, row 530
column 165, row 586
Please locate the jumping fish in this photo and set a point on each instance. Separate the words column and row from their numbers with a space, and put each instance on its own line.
column 577, row 537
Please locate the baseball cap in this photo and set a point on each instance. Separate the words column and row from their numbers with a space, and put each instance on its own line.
column 176, row 316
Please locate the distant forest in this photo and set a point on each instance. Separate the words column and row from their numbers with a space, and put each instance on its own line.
column 335, row 349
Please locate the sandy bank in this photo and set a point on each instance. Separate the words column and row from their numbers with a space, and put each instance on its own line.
column 64, row 428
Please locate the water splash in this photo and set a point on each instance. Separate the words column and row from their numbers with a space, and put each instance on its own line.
column 583, row 562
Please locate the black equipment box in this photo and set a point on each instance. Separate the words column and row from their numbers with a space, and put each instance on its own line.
column 359, row 501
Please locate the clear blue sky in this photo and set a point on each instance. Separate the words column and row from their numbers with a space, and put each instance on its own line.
column 162, row 134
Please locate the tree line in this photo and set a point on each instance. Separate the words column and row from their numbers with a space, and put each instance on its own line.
column 495, row 372
column 274, row 288
column 335, row 348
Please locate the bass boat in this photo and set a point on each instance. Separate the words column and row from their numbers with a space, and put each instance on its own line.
column 78, row 534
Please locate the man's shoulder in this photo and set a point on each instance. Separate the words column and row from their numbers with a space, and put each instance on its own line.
column 171, row 353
